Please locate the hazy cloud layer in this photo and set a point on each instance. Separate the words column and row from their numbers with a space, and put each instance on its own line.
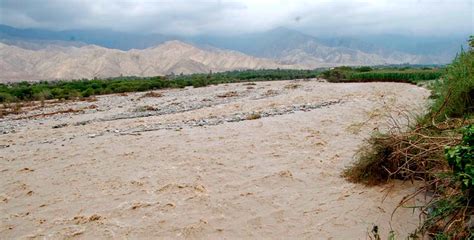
column 420, row 17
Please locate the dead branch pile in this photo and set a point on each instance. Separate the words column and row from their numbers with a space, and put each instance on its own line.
column 413, row 155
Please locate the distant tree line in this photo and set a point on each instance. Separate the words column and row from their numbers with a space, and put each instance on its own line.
column 387, row 74
column 44, row 90
column 28, row 91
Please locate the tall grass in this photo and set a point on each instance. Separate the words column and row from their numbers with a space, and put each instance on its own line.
column 456, row 91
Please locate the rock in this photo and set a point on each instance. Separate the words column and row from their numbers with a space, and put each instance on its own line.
column 60, row 125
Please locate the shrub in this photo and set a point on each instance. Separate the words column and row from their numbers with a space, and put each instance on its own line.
column 72, row 94
column 57, row 93
column 411, row 155
column 338, row 74
column 6, row 97
column 88, row 92
column 363, row 69
column 43, row 95
column 461, row 159
column 200, row 82
column 448, row 213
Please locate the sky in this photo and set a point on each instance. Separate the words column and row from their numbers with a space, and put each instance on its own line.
column 220, row 17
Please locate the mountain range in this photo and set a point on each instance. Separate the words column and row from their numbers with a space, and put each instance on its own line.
column 35, row 54
column 54, row 62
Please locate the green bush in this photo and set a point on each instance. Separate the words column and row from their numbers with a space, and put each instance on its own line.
column 72, row 94
column 461, row 159
column 88, row 92
column 43, row 95
column 338, row 74
column 6, row 97
column 364, row 69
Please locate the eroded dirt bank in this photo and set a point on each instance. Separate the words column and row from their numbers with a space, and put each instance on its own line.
column 228, row 161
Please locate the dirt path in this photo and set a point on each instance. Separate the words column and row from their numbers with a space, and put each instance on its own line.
column 228, row 161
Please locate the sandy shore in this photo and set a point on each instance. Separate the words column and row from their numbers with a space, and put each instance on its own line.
column 222, row 162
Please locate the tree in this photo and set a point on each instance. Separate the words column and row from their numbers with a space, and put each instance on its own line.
column 88, row 92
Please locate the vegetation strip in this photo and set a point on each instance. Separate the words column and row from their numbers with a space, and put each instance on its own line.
column 26, row 91
column 385, row 74
column 77, row 89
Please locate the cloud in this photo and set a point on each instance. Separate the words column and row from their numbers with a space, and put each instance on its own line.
column 343, row 17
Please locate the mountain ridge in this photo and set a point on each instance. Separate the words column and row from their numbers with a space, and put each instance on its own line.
column 91, row 61
column 273, row 43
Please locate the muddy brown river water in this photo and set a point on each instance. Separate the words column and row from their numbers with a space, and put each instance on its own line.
column 235, row 161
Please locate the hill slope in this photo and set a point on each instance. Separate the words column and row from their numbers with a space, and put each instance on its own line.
column 294, row 47
column 69, row 62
